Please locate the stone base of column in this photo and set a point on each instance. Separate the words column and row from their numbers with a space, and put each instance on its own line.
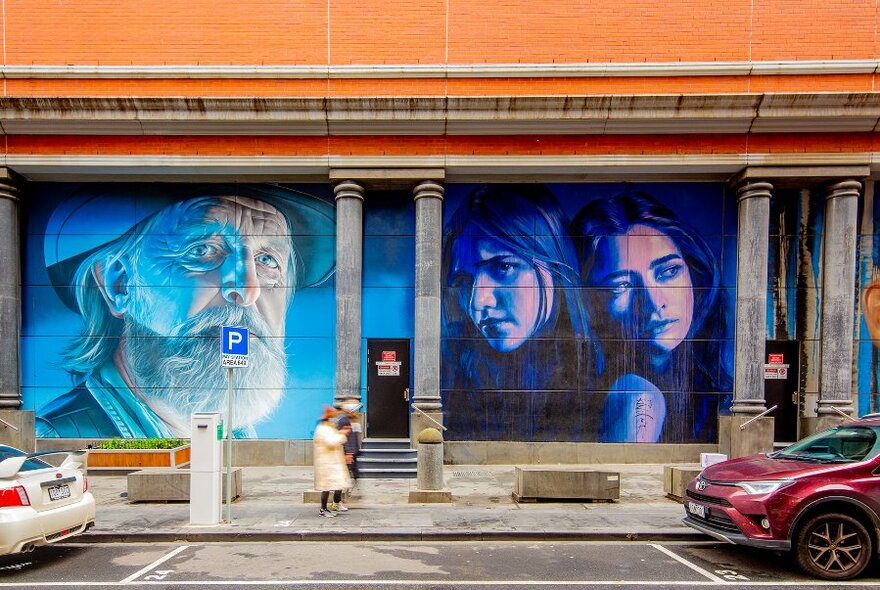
column 23, row 438
column 418, row 422
column 735, row 442
column 820, row 423
column 430, row 496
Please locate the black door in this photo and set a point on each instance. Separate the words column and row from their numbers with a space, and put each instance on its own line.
column 387, row 388
column 781, row 379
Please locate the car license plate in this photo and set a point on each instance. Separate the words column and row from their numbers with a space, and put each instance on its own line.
column 59, row 492
column 696, row 509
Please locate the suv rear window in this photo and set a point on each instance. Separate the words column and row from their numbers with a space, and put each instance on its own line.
column 31, row 464
column 843, row 443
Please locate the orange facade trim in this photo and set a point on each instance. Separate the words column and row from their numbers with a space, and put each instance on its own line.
column 551, row 145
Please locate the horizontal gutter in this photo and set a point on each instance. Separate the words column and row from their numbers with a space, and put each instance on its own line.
column 515, row 70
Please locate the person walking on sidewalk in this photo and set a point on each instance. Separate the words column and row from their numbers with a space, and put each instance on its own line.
column 348, row 418
column 331, row 473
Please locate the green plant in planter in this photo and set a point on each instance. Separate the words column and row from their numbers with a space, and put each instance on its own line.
column 142, row 443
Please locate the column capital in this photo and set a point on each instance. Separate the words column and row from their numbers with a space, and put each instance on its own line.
column 844, row 188
column 752, row 189
column 348, row 189
column 428, row 189
column 10, row 186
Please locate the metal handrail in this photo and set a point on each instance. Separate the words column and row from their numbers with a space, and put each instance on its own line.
column 422, row 412
column 762, row 414
column 12, row 426
column 844, row 414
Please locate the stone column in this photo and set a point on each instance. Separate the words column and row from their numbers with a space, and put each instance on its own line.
column 349, row 271
column 838, row 295
column 10, row 291
column 753, row 199
column 428, row 197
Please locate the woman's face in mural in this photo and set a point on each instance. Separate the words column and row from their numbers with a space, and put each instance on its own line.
column 497, row 289
column 645, row 286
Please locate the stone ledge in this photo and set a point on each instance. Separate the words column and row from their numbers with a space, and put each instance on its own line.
column 172, row 485
column 565, row 482
column 430, row 496
column 677, row 477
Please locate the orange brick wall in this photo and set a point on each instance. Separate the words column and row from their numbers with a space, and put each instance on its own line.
column 415, row 31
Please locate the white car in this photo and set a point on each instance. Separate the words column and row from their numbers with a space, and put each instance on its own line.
column 39, row 503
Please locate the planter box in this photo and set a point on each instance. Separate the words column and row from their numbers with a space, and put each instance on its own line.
column 129, row 460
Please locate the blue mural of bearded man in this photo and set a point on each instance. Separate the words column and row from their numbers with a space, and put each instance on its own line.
column 154, row 278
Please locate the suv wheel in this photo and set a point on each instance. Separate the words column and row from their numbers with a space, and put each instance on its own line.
column 833, row 547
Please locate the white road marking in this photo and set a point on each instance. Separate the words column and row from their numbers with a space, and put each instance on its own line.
column 434, row 583
column 155, row 564
column 685, row 562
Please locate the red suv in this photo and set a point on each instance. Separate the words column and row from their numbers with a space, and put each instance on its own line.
column 818, row 498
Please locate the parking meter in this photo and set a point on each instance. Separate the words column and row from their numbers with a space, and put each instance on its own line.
column 204, row 468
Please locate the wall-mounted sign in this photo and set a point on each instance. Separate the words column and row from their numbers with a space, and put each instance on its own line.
column 388, row 369
column 775, row 359
column 775, row 370
column 389, row 356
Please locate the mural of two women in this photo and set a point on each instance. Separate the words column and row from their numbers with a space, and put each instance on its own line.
column 610, row 327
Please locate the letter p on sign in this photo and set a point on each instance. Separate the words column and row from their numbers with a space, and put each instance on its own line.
column 234, row 340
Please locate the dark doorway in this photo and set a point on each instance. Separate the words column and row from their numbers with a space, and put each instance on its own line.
column 781, row 382
column 387, row 388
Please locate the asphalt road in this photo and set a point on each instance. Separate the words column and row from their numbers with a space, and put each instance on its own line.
column 399, row 565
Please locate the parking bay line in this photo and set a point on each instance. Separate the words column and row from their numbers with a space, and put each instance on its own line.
column 692, row 566
column 154, row 565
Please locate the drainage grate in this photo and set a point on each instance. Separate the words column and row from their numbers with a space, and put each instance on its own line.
column 471, row 474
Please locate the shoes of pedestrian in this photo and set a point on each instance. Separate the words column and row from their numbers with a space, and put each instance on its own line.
column 326, row 513
column 339, row 507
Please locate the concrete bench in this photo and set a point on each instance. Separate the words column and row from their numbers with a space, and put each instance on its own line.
column 677, row 477
column 565, row 482
column 171, row 485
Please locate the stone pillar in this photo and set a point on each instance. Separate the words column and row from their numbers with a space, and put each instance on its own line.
column 428, row 197
column 10, row 291
column 349, row 271
column 838, row 295
column 753, row 199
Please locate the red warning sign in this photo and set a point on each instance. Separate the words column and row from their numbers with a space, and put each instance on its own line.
column 775, row 359
column 389, row 356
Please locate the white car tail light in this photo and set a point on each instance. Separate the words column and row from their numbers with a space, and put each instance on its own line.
column 85, row 484
column 16, row 496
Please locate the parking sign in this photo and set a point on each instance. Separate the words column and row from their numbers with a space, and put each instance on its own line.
column 233, row 347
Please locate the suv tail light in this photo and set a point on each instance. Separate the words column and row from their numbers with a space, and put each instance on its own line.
column 16, row 496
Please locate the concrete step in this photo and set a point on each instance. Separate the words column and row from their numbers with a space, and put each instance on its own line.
column 385, row 443
column 388, row 453
column 396, row 473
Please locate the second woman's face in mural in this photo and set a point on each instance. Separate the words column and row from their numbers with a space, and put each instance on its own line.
column 645, row 286
column 497, row 289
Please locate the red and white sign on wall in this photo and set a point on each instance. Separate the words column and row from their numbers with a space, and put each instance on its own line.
column 775, row 359
column 389, row 356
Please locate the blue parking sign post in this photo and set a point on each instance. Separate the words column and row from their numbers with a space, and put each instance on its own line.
column 234, row 343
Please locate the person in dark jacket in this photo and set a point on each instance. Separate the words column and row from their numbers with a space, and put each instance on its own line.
column 348, row 417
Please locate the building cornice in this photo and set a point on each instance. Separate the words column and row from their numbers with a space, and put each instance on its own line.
column 456, row 168
column 394, row 71
column 499, row 115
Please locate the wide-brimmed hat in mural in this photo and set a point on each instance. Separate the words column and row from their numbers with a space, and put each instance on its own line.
column 94, row 217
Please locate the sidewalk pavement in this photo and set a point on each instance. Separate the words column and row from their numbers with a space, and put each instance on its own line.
column 272, row 509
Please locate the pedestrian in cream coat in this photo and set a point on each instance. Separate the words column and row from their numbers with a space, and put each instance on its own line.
column 331, row 472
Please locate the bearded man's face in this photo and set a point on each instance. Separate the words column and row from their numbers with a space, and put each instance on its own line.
column 207, row 263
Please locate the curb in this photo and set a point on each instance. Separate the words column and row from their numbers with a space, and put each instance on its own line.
column 378, row 535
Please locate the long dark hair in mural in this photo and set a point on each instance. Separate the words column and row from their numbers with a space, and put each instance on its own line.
column 515, row 327
column 612, row 327
column 655, row 301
